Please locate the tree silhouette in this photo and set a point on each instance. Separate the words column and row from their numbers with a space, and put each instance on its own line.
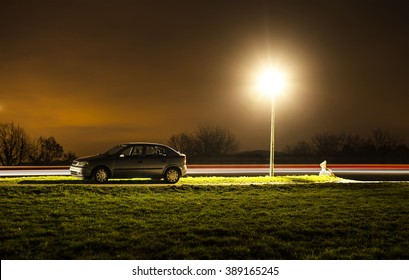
column 382, row 146
column 208, row 140
column 215, row 140
column 15, row 145
column 183, row 142
column 47, row 150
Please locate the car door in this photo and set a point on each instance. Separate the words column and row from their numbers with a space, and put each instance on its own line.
column 129, row 162
column 155, row 160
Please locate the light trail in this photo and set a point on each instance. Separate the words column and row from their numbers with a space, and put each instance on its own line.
column 365, row 171
column 20, row 171
column 351, row 170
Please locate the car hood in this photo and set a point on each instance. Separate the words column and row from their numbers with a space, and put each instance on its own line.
column 91, row 158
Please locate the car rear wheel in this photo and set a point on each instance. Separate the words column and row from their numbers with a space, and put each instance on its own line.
column 101, row 175
column 172, row 175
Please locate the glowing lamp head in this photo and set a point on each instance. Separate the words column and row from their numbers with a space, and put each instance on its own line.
column 271, row 82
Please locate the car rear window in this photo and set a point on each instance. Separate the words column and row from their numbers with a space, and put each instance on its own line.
column 171, row 152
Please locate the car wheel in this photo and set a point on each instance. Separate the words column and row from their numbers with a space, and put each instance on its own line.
column 101, row 175
column 172, row 175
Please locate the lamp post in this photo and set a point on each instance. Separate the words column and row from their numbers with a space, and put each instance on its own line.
column 271, row 173
column 272, row 82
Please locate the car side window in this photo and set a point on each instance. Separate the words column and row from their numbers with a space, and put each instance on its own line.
column 127, row 152
column 137, row 151
column 152, row 151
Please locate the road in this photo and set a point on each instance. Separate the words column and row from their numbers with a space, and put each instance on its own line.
column 348, row 171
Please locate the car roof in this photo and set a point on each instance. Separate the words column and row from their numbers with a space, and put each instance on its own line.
column 148, row 143
column 142, row 143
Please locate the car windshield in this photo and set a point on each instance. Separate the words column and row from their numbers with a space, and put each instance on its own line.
column 114, row 150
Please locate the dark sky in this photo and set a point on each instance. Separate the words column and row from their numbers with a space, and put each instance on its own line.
column 97, row 73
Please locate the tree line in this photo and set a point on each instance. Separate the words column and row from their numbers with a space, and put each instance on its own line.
column 380, row 146
column 16, row 147
column 213, row 143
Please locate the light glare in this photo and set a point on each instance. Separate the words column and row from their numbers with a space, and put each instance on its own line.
column 271, row 81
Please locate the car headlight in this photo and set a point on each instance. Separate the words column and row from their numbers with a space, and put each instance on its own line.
column 82, row 163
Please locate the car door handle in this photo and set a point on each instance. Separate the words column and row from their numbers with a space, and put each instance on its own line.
column 163, row 160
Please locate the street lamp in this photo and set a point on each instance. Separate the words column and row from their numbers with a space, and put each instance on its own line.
column 272, row 82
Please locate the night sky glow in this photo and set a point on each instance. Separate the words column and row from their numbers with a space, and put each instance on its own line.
column 96, row 73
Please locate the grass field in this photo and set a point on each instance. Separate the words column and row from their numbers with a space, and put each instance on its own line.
column 203, row 218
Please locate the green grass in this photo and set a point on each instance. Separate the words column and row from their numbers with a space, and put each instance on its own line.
column 203, row 218
column 185, row 180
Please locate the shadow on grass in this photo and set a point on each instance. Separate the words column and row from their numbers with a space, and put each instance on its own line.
column 300, row 179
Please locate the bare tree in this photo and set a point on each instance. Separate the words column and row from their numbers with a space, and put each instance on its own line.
column 215, row 140
column 385, row 141
column 69, row 156
column 352, row 143
column 208, row 140
column 328, row 144
column 47, row 150
column 15, row 145
column 300, row 148
column 184, row 143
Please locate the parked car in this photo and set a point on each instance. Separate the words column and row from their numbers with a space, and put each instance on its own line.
column 132, row 160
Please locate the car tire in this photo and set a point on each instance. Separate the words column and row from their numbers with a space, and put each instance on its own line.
column 100, row 175
column 172, row 175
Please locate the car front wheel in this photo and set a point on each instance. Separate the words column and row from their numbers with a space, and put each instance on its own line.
column 172, row 175
column 101, row 175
